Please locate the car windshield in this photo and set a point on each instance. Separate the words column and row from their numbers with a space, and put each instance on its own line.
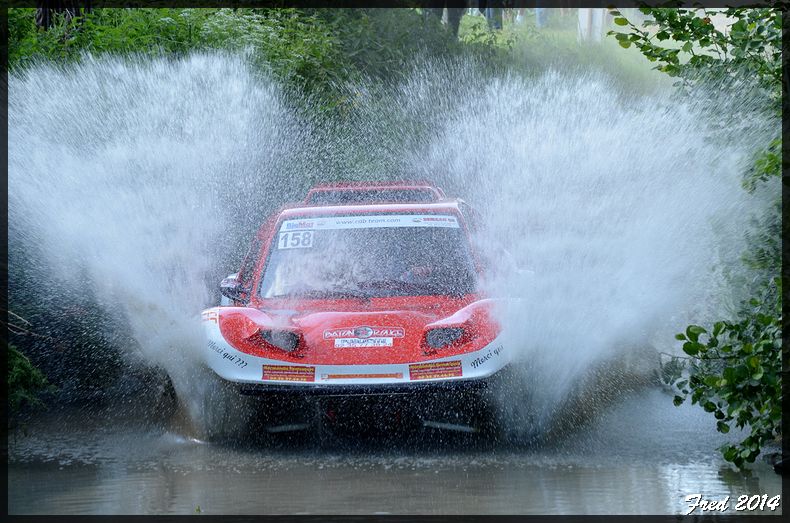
column 369, row 256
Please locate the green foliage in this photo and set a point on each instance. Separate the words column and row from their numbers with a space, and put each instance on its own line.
column 767, row 164
column 525, row 48
column 687, row 44
column 475, row 30
column 734, row 369
column 25, row 382
column 151, row 31
column 314, row 50
column 384, row 43
column 318, row 51
column 765, row 239
column 734, row 372
column 296, row 47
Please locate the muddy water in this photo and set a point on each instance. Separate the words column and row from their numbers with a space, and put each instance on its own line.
column 642, row 456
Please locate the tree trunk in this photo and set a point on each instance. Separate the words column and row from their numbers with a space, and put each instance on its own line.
column 46, row 10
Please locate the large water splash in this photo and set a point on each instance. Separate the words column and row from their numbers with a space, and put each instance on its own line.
column 145, row 174
column 148, row 177
column 622, row 212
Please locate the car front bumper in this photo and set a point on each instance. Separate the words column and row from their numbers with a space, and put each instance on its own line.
column 252, row 373
column 415, row 389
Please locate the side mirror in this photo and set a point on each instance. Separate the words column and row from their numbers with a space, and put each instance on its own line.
column 232, row 290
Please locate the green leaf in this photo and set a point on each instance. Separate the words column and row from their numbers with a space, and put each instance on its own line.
column 711, row 381
column 620, row 21
column 624, row 44
column 723, row 428
column 692, row 349
column 693, row 332
column 678, row 400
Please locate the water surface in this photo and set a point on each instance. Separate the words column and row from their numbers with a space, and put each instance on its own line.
column 642, row 456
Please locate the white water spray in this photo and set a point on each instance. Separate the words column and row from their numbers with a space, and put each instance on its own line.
column 144, row 172
column 624, row 211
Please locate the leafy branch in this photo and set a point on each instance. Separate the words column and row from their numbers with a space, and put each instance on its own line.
column 734, row 372
column 734, row 369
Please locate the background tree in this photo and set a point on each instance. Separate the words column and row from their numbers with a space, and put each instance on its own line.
column 733, row 369
column 454, row 15
column 47, row 11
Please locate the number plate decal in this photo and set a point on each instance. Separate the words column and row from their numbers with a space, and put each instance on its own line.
column 295, row 240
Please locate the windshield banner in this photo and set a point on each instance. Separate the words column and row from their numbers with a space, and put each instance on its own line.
column 370, row 222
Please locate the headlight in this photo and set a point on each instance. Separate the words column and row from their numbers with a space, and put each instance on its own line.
column 285, row 340
column 438, row 338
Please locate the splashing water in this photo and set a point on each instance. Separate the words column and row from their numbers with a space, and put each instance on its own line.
column 622, row 212
column 621, row 209
column 147, row 174
column 152, row 174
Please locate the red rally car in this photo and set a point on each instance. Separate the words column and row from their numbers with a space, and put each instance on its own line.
column 362, row 292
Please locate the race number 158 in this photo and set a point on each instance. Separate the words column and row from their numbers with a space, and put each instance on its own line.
column 295, row 240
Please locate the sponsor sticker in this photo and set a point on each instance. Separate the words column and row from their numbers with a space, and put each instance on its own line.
column 288, row 373
column 371, row 221
column 434, row 370
column 364, row 331
column 439, row 219
column 363, row 342
column 298, row 224
column 385, row 375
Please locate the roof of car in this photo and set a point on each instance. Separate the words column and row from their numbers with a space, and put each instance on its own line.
column 370, row 208
column 435, row 202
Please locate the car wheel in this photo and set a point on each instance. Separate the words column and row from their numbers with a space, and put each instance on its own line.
column 222, row 413
column 507, row 418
